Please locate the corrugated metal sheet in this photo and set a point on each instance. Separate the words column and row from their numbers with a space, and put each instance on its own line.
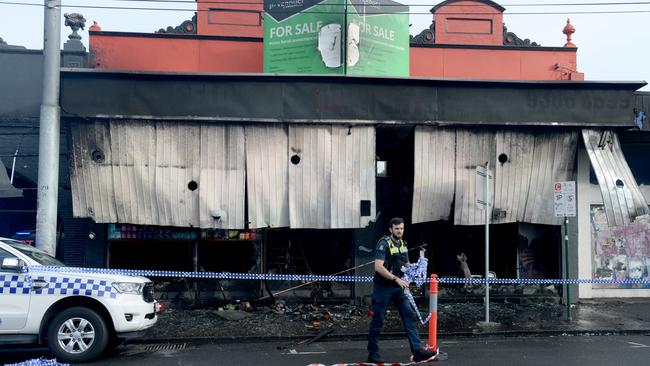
column 336, row 171
column 310, row 179
column 522, row 188
column 145, row 171
column 178, row 162
column 434, row 173
column 474, row 147
column 353, row 176
column 133, row 162
column 92, row 179
column 267, row 175
column 553, row 160
column 513, row 176
column 623, row 201
column 7, row 190
column 222, row 182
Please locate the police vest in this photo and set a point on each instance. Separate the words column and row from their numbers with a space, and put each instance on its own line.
column 396, row 257
column 393, row 250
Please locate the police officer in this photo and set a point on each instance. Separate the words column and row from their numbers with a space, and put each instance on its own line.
column 391, row 254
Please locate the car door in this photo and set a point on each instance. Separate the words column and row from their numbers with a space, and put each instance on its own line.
column 14, row 296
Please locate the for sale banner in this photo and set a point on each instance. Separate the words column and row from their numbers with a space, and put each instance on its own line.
column 368, row 37
column 303, row 36
column 378, row 38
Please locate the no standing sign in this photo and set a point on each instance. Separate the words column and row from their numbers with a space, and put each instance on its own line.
column 564, row 199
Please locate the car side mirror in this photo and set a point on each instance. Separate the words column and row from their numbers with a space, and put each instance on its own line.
column 12, row 264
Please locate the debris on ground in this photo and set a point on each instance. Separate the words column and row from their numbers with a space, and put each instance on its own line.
column 309, row 320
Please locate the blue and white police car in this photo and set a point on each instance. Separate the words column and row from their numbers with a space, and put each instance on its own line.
column 78, row 314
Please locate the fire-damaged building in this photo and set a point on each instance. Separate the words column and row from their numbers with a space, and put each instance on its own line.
column 187, row 156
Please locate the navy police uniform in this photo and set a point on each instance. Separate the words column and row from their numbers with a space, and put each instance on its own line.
column 394, row 255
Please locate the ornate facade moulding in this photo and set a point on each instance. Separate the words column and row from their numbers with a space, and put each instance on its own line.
column 427, row 36
column 187, row 27
column 5, row 46
column 511, row 39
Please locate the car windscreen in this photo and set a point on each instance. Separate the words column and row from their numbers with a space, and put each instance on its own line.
column 41, row 257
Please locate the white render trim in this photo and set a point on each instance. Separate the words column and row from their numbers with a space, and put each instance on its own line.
column 589, row 194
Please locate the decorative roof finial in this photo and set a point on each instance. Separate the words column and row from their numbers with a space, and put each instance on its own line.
column 95, row 27
column 75, row 21
column 569, row 29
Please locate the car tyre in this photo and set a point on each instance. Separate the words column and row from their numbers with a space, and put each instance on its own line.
column 77, row 334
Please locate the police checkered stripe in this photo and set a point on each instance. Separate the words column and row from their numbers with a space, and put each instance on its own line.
column 217, row 275
column 14, row 284
column 61, row 285
column 38, row 362
column 327, row 278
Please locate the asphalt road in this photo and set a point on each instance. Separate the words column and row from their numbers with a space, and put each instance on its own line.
column 565, row 350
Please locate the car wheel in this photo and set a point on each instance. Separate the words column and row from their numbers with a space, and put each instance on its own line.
column 77, row 335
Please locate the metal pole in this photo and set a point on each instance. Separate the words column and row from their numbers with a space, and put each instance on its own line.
column 344, row 39
column 487, row 242
column 48, row 148
column 566, row 267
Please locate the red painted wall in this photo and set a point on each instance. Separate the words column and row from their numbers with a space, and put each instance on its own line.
column 233, row 18
column 469, row 23
column 229, row 39
column 174, row 53
column 503, row 63
column 199, row 54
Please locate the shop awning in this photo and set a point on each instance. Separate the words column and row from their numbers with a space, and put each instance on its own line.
column 622, row 197
column 7, row 190
column 345, row 100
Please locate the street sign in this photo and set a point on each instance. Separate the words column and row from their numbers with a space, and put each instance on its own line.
column 564, row 194
column 482, row 194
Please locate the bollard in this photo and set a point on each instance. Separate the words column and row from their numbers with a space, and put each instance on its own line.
column 433, row 309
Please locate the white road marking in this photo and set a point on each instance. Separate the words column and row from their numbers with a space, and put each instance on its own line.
column 294, row 352
column 637, row 345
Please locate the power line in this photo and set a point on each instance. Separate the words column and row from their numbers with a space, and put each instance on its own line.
column 357, row 2
column 107, row 7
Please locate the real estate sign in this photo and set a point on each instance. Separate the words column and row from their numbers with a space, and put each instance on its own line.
column 378, row 38
column 303, row 36
column 356, row 37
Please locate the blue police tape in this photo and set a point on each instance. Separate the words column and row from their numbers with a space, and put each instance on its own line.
column 416, row 273
column 38, row 362
column 330, row 278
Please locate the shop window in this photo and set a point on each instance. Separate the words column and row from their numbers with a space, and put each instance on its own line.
column 155, row 255
column 235, row 256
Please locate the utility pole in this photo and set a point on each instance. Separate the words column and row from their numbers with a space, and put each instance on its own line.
column 488, row 212
column 49, row 130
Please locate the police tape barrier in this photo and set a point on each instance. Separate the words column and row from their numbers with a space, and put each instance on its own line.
column 326, row 278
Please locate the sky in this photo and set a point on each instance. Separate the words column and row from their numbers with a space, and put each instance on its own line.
column 613, row 38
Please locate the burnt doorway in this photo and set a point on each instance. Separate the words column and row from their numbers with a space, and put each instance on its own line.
column 395, row 182
column 517, row 250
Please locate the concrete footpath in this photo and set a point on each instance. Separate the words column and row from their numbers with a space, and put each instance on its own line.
column 589, row 317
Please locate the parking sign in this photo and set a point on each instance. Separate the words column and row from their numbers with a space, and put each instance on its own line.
column 564, row 194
